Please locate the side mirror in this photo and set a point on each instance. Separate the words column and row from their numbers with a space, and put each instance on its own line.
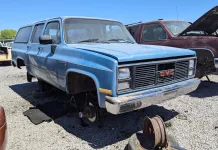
column 45, row 39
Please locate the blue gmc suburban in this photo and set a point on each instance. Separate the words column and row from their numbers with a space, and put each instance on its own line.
column 99, row 58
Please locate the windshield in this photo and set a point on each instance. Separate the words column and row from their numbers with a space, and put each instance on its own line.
column 93, row 30
column 176, row 27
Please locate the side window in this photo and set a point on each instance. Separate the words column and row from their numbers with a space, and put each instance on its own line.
column 53, row 29
column 133, row 30
column 153, row 32
column 23, row 35
column 36, row 33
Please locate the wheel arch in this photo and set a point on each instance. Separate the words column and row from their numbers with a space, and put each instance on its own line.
column 20, row 62
column 89, row 75
column 207, row 49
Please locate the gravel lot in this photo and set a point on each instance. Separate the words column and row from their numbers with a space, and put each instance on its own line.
column 193, row 119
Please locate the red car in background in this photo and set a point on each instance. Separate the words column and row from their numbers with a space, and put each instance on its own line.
column 200, row 36
column 3, row 128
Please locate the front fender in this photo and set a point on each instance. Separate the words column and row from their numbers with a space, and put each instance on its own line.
column 101, row 97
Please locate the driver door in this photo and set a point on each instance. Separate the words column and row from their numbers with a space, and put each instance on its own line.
column 48, row 57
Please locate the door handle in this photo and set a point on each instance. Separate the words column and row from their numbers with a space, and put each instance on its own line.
column 28, row 47
column 40, row 48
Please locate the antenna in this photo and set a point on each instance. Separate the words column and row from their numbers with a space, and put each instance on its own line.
column 177, row 15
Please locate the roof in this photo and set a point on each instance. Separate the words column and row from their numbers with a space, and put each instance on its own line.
column 156, row 21
column 65, row 17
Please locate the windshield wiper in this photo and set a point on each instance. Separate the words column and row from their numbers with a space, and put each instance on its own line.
column 121, row 40
column 92, row 40
column 88, row 40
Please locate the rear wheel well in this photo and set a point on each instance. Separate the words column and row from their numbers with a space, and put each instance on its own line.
column 20, row 63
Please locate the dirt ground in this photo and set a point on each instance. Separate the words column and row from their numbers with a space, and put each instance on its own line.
column 192, row 119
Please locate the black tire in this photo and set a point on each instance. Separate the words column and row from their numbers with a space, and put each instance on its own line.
column 135, row 144
column 44, row 90
column 43, row 86
column 29, row 77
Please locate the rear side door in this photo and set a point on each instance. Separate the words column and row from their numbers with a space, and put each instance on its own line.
column 47, row 57
column 153, row 34
column 20, row 45
column 34, row 49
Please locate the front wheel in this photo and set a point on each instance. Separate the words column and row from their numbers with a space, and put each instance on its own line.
column 90, row 113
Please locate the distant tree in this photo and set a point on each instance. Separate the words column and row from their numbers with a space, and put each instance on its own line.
column 8, row 34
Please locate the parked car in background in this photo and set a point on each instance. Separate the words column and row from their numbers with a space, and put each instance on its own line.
column 3, row 129
column 99, row 59
column 5, row 51
column 200, row 36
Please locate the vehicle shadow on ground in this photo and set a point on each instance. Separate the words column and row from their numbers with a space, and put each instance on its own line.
column 205, row 89
column 112, row 129
column 5, row 64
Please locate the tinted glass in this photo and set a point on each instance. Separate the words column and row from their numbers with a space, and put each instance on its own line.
column 153, row 32
column 53, row 30
column 37, row 32
column 77, row 30
column 133, row 31
column 23, row 35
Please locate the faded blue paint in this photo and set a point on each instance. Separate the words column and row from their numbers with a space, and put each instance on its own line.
column 98, row 61
column 133, row 52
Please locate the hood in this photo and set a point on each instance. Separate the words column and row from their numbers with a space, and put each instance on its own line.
column 207, row 23
column 124, row 52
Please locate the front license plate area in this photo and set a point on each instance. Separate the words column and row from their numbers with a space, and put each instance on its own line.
column 170, row 94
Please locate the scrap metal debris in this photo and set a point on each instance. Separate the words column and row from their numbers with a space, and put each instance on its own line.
column 154, row 131
column 153, row 137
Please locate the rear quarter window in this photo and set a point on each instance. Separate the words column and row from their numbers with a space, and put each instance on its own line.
column 23, row 35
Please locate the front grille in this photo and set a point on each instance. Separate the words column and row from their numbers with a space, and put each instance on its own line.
column 181, row 70
column 159, row 74
column 144, row 75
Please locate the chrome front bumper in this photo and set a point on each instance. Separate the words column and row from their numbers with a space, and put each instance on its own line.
column 142, row 99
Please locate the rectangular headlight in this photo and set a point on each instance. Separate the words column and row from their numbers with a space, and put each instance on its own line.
column 191, row 63
column 123, row 73
column 123, row 85
column 191, row 69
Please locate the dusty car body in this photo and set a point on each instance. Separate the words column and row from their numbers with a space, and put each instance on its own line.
column 86, row 55
column 3, row 129
column 5, row 51
column 200, row 36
